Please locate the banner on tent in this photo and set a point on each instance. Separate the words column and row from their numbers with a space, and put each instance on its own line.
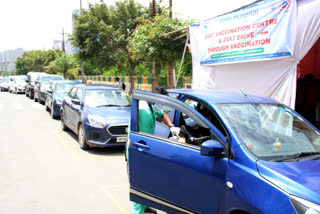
column 261, row 31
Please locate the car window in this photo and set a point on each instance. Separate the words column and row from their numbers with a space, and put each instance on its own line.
column 79, row 93
column 107, row 97
column 205, row 111
column 72, row 93
column 151, row 121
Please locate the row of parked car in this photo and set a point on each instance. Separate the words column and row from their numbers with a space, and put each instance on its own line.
column 259, row 156
column 98, row 114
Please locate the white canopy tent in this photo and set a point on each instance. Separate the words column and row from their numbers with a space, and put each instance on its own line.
column 272, row 78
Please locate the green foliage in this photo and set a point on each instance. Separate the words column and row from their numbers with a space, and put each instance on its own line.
column 102, row 33
column 36, row 61
column 151, row 40
column 61, row 65
column 5, row 73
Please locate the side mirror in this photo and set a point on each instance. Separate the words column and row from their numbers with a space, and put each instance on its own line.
column 27, row 81
column 49, row 91
column 76, row 102
column 212, row 148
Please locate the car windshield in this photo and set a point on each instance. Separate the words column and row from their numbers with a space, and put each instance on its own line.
column 21, row 79
column 33, row 78
column 5, row 80
column 64, row 87
column 106, row 97
column 271, row 131
column 48, row 79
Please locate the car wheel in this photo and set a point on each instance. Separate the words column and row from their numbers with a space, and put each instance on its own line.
column 52, row 113
column 63, row 125
column 82, row 138
column 47, row 108
column 35, row 99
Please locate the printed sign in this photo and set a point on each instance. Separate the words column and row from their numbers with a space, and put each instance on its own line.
column 261, row 31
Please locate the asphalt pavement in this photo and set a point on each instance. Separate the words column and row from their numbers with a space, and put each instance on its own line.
column 43, row 170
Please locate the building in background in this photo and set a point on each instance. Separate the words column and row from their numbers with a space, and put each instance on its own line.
column 8, row 57
column 69, row 48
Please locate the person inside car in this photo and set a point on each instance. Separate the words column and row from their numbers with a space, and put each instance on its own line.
column 192, row 133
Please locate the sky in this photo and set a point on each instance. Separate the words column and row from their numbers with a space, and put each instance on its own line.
column 34, row 24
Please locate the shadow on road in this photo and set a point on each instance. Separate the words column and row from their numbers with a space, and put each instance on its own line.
column 108, row 151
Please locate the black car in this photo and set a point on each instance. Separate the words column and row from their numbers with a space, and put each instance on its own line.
column 31, row 79
column 42, row 85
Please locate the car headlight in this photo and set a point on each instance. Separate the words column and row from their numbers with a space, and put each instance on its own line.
column 59, row 100
column 303, row 206
column 96, row 121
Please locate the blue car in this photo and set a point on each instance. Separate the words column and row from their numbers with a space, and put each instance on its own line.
column 56, row 92
column 98, row 114
column 252, row 155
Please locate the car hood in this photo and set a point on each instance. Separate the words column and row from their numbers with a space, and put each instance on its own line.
column 116, row 114
column 299, row 178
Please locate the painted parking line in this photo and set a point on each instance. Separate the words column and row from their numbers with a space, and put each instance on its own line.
column 117, row 204
column 67, row 144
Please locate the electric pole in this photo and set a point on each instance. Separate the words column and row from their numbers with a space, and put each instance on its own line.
column 82, row 69
column 153, row 63
column 63, row 45
column 170, row 65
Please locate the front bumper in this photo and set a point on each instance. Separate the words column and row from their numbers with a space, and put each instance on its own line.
column 42, row 96
column 56, row 109
column 101, row 137
column 21, row 90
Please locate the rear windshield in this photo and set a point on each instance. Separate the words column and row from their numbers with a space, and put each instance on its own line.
column 48, row 79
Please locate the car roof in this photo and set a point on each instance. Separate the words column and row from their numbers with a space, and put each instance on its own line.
column 99, row 86
column 66, row 81
column 217, row 96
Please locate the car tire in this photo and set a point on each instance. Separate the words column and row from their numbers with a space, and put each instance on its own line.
column 82, row 138
column 62, row 124
column 47, row 108
column 35, row 99
column 52, row 113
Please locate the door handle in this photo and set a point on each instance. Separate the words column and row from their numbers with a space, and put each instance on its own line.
column 141, row 145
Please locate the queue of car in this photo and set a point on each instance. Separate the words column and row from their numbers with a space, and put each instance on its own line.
column 261, row 156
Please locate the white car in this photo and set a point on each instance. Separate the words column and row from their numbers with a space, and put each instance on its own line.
column 18, row 84
column 4, row 85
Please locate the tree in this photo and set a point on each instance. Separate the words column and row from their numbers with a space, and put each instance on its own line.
column 154, row 40
column 36, row 60
column 103, row 34
column 61, row 64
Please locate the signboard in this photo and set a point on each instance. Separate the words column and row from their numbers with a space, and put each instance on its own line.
column 264, row 30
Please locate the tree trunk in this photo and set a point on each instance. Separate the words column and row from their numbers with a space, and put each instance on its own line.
column 153, row 74
column 132, row 67
column 170, row 76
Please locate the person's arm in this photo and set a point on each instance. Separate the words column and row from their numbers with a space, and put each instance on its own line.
column 167, row 120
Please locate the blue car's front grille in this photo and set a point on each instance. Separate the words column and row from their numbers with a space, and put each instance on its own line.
column 118, row 130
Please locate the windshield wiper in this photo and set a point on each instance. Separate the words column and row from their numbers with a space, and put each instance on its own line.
column 298, row 155
column 109, row 105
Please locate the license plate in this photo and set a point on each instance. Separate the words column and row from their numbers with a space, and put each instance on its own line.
column 122, row 139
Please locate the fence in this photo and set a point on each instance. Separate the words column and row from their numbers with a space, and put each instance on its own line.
column 140, row 82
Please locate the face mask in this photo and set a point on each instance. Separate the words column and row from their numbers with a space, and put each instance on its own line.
column 190, row 122
column 155, row 108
